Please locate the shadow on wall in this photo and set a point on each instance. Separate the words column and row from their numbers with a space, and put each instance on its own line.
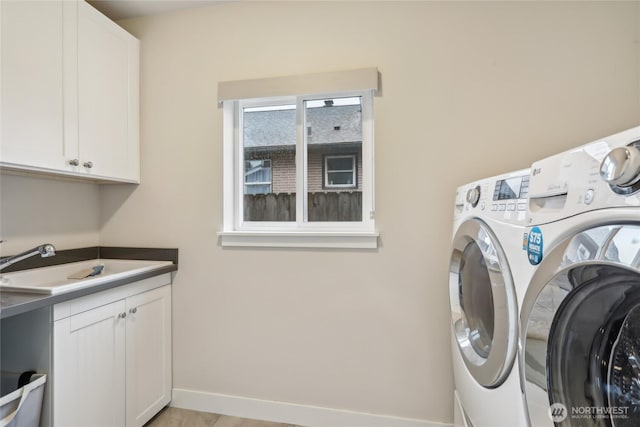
column 117, row 195
column 35, row 208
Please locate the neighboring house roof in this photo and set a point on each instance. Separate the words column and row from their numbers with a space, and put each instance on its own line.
column 325, row 125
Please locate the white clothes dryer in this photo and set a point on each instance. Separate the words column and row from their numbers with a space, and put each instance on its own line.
column 487, row 278
column 580, row 317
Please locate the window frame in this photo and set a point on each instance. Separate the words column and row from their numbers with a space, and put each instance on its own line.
column 298, row 233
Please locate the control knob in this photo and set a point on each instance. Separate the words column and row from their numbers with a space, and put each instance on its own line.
column 473, row 195
column 621, row 167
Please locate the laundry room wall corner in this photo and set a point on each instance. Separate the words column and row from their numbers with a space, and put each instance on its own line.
column 471, row 89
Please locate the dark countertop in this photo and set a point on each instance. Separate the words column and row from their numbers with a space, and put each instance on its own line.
column 13, row 303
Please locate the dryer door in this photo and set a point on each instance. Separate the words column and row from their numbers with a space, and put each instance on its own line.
column 582, row 346
column 483, row 303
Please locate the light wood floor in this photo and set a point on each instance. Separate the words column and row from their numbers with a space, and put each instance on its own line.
column 176, row 417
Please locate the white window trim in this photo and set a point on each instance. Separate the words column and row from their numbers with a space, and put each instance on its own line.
column 353, row 170
column 237, row 232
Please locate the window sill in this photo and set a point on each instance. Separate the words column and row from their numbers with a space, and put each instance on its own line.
column 297, row 239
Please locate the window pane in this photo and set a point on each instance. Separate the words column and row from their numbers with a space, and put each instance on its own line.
column 340, row 163
column 257, row 171
column 269, row 148
column 257, row 189
column 340, row 178
column 333, row 140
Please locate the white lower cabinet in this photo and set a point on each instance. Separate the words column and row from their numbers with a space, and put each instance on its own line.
column 112, row 359
column 89, row 368
column 148, row 361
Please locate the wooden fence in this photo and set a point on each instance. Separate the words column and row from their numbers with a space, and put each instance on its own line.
column 329, row 206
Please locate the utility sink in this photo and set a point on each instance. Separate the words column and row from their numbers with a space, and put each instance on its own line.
column 55, row 279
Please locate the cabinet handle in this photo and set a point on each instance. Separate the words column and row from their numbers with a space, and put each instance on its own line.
column 134, row 310
column 122, row 315
column 88, row 165
column 74, row 162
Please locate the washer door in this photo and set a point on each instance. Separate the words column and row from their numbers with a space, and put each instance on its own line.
column 483, row 303
column 582, row 346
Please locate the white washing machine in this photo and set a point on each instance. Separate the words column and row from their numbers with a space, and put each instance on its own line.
column 487, row 277
column 580, row 318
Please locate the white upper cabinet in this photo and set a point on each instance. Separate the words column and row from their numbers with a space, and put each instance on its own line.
column 70, row 83
column 32, row 75
column 107, row 97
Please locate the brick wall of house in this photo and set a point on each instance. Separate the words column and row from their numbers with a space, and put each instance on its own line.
column 283, row 169
column 283, row 172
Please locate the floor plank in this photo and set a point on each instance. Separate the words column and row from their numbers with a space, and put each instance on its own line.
column 176, row 417
column 226, row 421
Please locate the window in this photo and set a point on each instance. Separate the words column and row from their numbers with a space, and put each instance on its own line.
column 257, row 176
column 298, row 171
column 340, row 171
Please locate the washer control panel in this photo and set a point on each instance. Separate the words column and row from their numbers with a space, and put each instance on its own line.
column 602, row 174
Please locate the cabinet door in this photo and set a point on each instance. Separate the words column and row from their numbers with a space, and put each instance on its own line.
column 32, row 113
column 148, row 354
column 89, row 368
column 108, row 74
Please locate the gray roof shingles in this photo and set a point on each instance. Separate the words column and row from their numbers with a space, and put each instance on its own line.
column 325, row 125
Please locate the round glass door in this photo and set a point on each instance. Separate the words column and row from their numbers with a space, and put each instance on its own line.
column 483, row 303
column 582, row 342
column 623, row 376
column 593, row 352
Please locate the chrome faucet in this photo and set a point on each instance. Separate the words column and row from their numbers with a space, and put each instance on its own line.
column 44, row 251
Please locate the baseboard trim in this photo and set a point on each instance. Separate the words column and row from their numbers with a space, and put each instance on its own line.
column 290, row 413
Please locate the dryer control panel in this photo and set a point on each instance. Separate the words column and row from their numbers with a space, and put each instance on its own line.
column 602, row 174
column 502, row 197
column 512, row 188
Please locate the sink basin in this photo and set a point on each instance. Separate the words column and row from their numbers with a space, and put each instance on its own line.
column 55, row 279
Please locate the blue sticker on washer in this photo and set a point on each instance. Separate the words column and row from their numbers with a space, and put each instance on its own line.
column 534, row 246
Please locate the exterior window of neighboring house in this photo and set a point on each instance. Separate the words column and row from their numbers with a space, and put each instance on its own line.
column 257, row 176
column 299, row 171
column 340, row 171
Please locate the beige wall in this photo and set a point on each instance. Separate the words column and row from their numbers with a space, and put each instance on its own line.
column 469, row 89
column 38, row 210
